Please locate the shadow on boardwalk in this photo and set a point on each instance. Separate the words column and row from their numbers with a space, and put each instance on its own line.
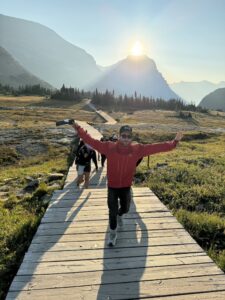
column 50, row 224
column 122, row 272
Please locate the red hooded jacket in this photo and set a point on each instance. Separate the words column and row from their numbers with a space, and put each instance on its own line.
column 121, row 160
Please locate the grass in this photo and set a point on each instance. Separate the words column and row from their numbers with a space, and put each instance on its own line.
column 191, row 184
column 210, row 120
column 19, row 218
column 38, row 112
column 18, row 221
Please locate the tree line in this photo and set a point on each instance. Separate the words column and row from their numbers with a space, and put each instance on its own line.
column 72, row 94
column 26, row 90
column 107, row 100
column 110, row 101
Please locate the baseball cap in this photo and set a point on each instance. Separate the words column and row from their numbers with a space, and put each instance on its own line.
column 126, row 128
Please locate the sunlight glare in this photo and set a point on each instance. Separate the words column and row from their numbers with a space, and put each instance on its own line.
column 137, row 49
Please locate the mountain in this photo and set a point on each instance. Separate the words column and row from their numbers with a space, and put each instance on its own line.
column 214, row 100
column 193, row 92
column 45, row 54
column 13, row 74
column 135, row 74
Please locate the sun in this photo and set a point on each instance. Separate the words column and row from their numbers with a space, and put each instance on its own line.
column 137, row 49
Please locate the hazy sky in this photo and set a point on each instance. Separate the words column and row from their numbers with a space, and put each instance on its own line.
column 186, row 38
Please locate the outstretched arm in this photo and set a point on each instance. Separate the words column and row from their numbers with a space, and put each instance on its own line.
column 96, row 144
column 160, row 147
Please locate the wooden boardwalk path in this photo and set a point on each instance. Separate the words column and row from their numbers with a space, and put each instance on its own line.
column 155, row 258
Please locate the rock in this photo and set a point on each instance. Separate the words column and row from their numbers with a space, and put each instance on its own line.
column 29, row 178
column 55, row 185
column 199, row 207
column 4, row 188
column 64, row 141
column 46, row 199
column 31, row 186
column 55, row 176
column 7, row 180
column 161, row 165
column 4, row 195
column 20, row 194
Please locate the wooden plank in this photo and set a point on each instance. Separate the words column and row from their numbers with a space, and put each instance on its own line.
column 112, row 276
column 85, row 216
column 78, row 215
column 103, row 201
column 134, row 190
column 100, row 226
column 63, row 255
column 219, row 295
column 215, row 295
column 100, row 236
column 131, row 290
column 74, row 190
column 121, row 242
column 99, row 203
column 97, row 195
column 87, row 222
column 65, row 229
column 94, row 202
column 104, row 208
column 89, row 205
column 36, row 266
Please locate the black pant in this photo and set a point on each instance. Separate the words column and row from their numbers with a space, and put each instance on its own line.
column 103, row 158
column 124, row 195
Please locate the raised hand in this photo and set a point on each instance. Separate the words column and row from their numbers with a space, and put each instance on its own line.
column 178, row 136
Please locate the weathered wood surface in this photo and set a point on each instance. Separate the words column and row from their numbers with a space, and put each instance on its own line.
column 155, row 258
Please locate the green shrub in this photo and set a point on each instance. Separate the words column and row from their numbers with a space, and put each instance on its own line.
column 207, row 229
column 8, row 156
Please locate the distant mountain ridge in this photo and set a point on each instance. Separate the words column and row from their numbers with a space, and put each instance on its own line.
column 45, row 54
column 214, row 100
column 193, row 92
column 14, row 75
column 135, row 74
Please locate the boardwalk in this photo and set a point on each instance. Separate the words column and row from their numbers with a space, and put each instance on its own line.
column 155, row 258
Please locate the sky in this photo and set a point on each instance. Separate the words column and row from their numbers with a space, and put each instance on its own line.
column 186, row 38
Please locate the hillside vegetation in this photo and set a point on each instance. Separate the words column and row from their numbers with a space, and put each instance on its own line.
column 190, row 181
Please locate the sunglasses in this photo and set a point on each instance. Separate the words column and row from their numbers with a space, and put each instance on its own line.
column 126, row 136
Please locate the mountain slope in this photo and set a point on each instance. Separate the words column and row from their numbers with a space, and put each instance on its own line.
column 214, row 100
column 13, row 74
column 193, row 92
column 45, row 54
column 135, row 74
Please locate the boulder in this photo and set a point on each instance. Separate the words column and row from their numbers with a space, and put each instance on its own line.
column 64, row 141
column 31, row 186
column 55, row 176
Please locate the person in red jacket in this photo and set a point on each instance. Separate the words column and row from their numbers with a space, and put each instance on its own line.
column 122, row 157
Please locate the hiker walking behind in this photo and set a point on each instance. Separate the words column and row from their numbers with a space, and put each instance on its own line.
column 103, row 157
column 122, row 157
column 83, row 161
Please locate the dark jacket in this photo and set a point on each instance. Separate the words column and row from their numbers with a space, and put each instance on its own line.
column 85, row 155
